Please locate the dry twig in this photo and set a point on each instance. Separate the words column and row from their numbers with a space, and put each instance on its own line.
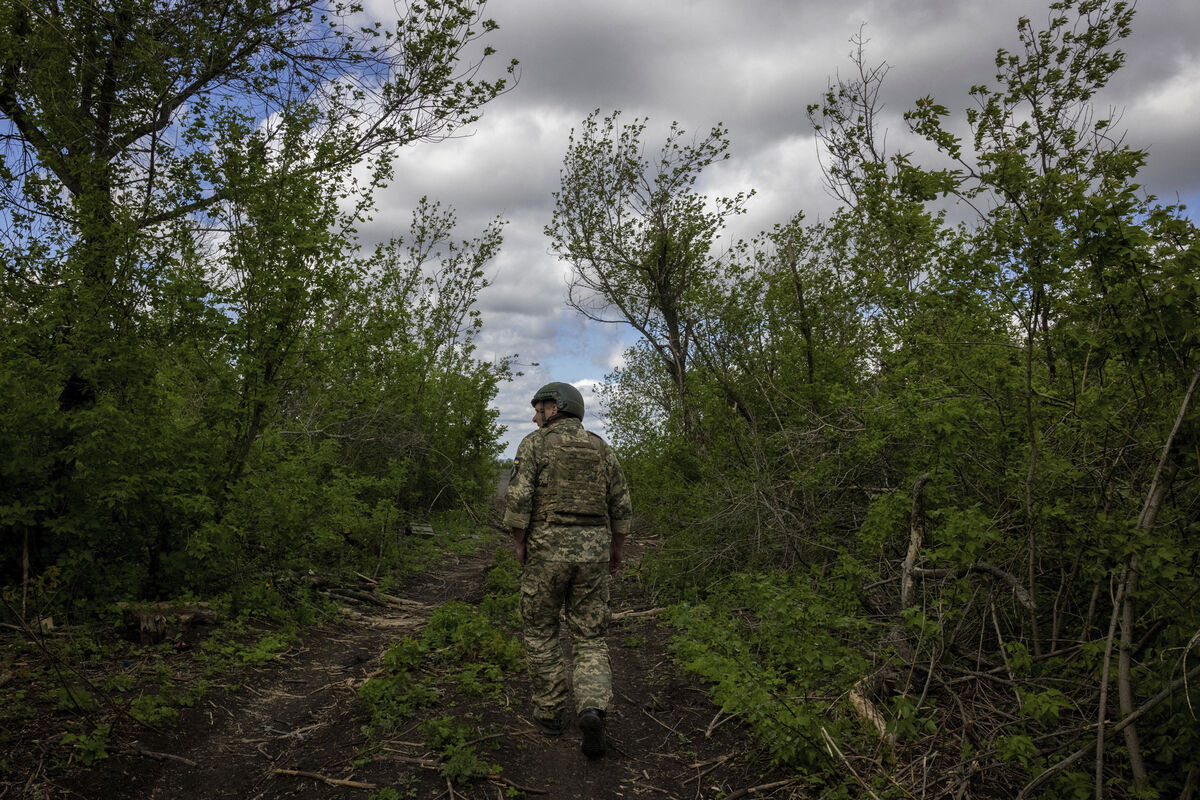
column 515, row 785
column 138, row 750
column 300, row 773
column 985, row 568
column 649, row 612
column 416, row 762
column 833, row 748
column 717, row 762
column 765, row 787
column 716, row 723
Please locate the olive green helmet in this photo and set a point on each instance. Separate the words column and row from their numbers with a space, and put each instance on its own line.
column 565, row 396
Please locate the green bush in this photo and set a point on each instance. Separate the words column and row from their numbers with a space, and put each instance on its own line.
column 776, row 649
column 153, row 710
column 90, row 747
column 467, row 646
column 70, row 698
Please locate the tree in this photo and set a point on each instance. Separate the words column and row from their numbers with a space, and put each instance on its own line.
column 179, row 185
column 639, row 238
column 123, row 117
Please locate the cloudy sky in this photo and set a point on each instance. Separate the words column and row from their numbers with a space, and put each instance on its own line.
column 753, row 65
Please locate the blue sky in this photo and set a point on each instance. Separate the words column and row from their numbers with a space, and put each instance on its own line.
column 753, row 66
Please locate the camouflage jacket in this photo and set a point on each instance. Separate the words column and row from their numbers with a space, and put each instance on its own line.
column 567, row 493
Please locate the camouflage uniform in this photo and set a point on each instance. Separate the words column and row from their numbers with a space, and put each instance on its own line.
column 566, row 493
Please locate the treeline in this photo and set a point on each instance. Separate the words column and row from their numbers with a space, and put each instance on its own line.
column 928, row 491
column 205, row 376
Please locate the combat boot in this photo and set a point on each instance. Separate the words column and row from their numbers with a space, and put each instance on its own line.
column 550, row 726
column 591, row 724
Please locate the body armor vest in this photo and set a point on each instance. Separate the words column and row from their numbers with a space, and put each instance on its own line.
column 576, row 490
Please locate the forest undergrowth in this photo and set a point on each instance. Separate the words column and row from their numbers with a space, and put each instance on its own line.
column 417, row 694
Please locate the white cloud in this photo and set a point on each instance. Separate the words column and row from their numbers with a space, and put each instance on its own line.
column 1160, row 106
column 753, row 66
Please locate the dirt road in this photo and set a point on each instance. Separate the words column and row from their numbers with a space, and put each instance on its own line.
column 294, row 728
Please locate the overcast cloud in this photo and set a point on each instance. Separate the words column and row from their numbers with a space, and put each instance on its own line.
column 754, row 66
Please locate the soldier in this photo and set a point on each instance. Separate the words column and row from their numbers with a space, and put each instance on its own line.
column 568, row 508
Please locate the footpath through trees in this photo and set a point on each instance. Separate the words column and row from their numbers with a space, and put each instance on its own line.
column 302, row 725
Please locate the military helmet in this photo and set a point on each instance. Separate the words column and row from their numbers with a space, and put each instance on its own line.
column 565, row 396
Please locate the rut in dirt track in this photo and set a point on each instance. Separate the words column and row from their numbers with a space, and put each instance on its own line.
column 294, row 729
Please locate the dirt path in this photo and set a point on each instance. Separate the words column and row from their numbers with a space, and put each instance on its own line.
column 294, row 730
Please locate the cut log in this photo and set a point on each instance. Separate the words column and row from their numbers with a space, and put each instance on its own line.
column 152, row 620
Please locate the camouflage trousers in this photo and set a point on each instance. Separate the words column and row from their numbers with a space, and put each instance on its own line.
column 582, row 588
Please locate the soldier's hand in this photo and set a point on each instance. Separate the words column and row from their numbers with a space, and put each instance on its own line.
column 518, row 537
column 615, row 560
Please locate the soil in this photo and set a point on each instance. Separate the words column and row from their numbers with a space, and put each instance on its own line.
column 294, row 728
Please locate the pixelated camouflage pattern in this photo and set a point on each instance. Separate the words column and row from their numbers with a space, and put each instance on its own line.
column 539, row 498
column 568, row 494
column 546, row 586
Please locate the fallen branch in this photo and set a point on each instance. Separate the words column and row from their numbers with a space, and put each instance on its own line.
column 916, row 533
column 765, row 787
column 138, row 750
column 402, row 602
column 485, row 738
column 711, row 765
column 515, row 785
column 833, row 748
column 716, row 723
column 345, row 593
column 300, row 773
column 660, row 722
column 367, row 594
column 416, row 762
column 867, row 710
column 979, row 566
column 650, row 612
column 43, row 632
